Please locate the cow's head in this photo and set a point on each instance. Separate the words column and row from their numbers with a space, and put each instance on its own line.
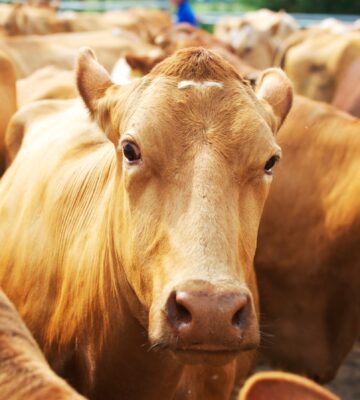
column 254, row 47
column 195, row 148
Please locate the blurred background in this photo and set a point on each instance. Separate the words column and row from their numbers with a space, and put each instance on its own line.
column 228, row 6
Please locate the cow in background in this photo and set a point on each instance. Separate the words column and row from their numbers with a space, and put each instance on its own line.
column 7, row 102
column 24, row 372
column 308, row 256
column 347, row 94
column 30, row 19
column 46, row 83
column 316, row 61
column 257, row 36
column 60, row 49
column 179, row 37
column 26, row 19
column 283, row 386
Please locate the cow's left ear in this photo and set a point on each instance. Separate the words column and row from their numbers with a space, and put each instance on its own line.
column 274, row 28
column 283, row 386
column 274, row 88
column 92, row 79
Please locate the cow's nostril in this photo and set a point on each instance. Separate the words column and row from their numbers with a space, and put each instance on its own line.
column 177, row 313
column 240, row 318
column 183, row 313
column 237, row 319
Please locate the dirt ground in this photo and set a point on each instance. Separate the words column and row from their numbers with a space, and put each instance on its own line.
column 347, row 382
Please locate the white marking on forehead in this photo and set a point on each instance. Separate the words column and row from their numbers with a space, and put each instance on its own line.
column 187, row 84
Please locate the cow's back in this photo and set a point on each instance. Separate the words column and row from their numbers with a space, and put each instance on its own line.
column 47, row 83
column 61, row 49
column 21, row 51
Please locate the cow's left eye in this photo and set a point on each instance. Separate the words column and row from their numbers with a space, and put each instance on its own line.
column 270, row 163
column 131, row 152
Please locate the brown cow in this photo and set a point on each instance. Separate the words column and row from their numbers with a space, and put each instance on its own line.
column 278, row 25
column 144, row 23
column 61, row 49
column 178, row 37
column 256, row 36
column 283, row 386
column 25, row 19
column 24, row 373
column 308, row 254
column 46, row 83
column 56, row 83
column 150, row 22
column 5, row 11
column 316, row 61
column 347, row 94
column 253, row 47
column 7, row 101
column 130, row 256
column 30, row 20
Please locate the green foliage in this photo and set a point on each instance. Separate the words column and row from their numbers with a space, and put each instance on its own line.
column 221, row 6
column 308, row 6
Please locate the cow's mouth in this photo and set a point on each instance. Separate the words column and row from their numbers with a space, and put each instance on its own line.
column 214, row 357
column 202, row 354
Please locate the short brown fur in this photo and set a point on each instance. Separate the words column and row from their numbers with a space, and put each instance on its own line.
column 111, row 241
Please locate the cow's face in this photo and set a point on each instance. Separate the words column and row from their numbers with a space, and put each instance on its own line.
column 313, row 64
column 252, row 46
column 195, row 151
column 171, row 39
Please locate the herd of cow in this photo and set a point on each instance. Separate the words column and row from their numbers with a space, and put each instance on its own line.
column 132, row 205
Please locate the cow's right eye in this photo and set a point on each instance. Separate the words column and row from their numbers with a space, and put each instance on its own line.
column 131, row 152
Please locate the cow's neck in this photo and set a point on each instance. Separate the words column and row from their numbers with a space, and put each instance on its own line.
column 127, row 369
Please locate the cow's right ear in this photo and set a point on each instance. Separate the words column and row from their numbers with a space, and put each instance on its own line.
column 283, row 386
column 92, row 79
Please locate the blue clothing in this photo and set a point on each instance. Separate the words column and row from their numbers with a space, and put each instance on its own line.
column 184, row 13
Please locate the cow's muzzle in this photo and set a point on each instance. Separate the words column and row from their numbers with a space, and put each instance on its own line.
column 207, row 321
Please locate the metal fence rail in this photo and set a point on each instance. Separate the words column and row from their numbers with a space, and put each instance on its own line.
column 302, row 18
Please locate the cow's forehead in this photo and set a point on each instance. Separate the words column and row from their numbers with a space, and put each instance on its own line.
column 195, row 82
column 185, row 112
column 196, row 64
column 171, row 101
column 196, row 95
